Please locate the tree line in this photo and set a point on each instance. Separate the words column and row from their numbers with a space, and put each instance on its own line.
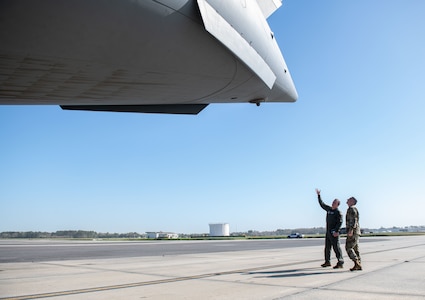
column 72, row 234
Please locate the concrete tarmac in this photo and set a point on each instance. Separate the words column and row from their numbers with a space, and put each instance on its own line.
column 393, row 268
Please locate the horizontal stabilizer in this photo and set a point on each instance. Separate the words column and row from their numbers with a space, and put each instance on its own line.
column 189, row 109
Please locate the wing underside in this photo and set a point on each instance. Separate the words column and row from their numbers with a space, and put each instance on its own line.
column 152, row 56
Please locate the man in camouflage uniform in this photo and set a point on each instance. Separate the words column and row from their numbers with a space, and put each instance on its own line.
column 353, row 233
column 333, row 224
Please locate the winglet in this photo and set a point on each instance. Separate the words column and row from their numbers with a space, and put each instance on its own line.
column 216, row 25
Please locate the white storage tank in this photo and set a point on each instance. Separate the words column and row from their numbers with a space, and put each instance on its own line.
column 219, row 229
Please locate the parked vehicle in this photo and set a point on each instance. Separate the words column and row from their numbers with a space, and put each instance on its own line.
column 295, row 236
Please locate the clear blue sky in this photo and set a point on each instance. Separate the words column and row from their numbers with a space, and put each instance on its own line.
column 358, row 129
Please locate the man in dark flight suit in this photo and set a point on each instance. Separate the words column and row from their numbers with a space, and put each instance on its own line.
column 333, row 224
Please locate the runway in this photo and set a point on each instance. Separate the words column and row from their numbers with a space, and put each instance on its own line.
column 394, row 268
column 48, row 250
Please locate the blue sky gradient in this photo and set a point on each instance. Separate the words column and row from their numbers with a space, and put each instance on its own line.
column 358, row 129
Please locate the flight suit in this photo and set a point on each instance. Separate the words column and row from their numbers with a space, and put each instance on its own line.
column 333, row 224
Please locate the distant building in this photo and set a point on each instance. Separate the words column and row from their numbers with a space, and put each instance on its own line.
column 219, row 229
column 162, row 235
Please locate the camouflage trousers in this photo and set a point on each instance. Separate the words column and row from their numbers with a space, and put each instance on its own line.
column 352, row 247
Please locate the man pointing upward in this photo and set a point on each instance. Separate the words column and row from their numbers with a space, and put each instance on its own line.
column 333, row 224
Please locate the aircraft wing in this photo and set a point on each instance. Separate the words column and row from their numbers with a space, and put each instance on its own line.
column 159, row 56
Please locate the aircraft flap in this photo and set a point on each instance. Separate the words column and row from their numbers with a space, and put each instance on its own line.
column 217, row 26
column 188, row 109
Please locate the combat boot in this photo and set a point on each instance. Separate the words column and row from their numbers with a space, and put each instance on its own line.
column 357, row 266
column 326, row 264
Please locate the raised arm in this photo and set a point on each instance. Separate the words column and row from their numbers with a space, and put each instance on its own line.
column 323, row 205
